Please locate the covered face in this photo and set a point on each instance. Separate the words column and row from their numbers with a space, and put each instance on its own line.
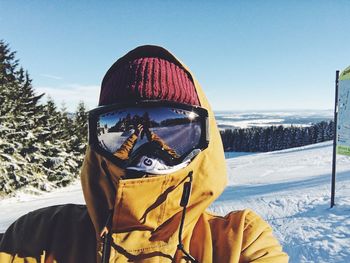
column 153, row 119
column 149, row 119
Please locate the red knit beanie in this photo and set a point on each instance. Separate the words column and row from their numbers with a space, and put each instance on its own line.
column 138, row 77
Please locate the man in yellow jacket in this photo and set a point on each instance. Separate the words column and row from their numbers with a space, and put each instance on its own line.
column 159, row 213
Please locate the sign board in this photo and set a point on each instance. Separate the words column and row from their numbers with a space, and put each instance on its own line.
column 343, row 122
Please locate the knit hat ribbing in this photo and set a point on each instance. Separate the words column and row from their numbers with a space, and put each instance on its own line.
column 147, row 78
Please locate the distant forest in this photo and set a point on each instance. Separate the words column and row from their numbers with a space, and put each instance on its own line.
column 273, row 138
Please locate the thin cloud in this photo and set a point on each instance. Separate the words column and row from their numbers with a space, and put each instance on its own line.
column 72, row 94
column 51, row 76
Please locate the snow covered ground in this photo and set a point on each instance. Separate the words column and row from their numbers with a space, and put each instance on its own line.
column 291, row 190
column 288, row 188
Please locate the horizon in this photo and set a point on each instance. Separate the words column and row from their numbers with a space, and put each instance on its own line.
column 273, row 110
column 247, row 55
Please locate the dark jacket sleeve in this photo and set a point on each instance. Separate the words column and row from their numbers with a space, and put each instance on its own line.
column 63, row 233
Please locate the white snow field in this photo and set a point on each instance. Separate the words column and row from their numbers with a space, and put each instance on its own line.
column 289, row 188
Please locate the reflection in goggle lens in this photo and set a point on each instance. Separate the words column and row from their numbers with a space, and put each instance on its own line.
column 174, row 128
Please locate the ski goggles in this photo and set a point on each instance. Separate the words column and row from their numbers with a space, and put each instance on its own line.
column 120, row 131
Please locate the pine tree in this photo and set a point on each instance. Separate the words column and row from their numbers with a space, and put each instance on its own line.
column 80, row 132
column 81, row 121
column 53, row 146
column 17, row 109
column 35, row 140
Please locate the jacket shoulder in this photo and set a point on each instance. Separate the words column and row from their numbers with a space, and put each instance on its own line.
column 250, row 234
column 54, row 230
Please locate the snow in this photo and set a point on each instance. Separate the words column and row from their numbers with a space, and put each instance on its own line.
column 22, row 203
column 244, row 124
column 275, row 113
column 289, row 188
column 248, row 119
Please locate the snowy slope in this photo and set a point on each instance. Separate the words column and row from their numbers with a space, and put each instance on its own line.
column 289, row 188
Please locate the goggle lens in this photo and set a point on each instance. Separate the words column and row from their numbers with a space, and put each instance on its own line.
column 179, row 129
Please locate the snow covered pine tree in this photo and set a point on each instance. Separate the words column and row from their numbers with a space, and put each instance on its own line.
column 37, row 149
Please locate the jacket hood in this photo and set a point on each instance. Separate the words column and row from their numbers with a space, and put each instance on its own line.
column 148, row 209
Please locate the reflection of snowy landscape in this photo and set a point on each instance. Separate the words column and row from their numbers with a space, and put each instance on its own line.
column 177, row 128
column 177, row 135
column 111, row 141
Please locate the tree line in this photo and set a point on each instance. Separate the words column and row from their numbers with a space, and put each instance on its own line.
column 265, row 139
column 41, row 146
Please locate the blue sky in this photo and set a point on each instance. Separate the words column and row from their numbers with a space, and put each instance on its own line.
column 247, row 55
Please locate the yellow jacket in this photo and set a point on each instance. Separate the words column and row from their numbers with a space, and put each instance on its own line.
column 146, row 217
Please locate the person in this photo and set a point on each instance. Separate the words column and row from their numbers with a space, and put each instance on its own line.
column 158, row 218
